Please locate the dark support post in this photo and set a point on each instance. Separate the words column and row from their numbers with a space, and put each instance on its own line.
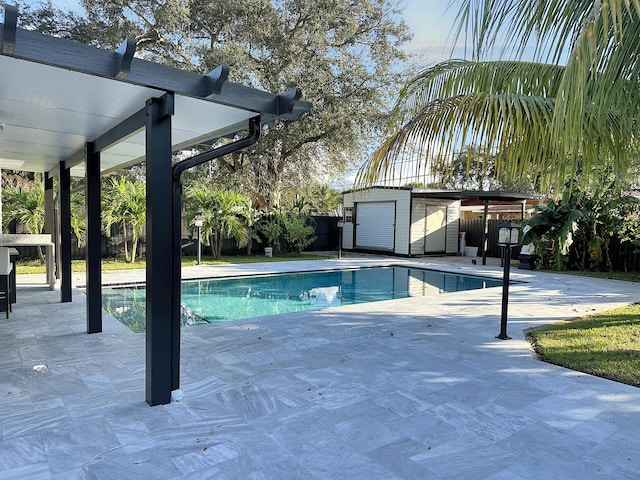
column 49, row 207
column 160, row 251
column 51, row 219
column 65, row 233
column 485, row 232
column 94, row 239
column 505, row 293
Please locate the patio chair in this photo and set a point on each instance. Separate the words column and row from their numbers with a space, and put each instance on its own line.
column 5, row 278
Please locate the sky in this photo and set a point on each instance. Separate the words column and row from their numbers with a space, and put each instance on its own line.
column 429, row 20
column 431, row 23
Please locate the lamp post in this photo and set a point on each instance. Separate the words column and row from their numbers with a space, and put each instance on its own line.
column 508, row 233
column 198, row 222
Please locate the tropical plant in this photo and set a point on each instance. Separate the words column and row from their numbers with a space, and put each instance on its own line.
column 552, row 228
column 272, row 229
column 24, row 205
column 542, row 119
column 78, row 218
column 252, row 220
column 576, row 231
column 223, row 214
column 325, row 199
column 299, row 231
column 124, row 203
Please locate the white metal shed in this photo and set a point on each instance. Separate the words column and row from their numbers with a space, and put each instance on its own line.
column 402, row 221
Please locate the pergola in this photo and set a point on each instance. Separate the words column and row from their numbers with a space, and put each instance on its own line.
column 71, row 109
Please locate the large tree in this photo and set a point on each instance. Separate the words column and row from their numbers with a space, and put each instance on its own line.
column 548, row 118
column 344, row 54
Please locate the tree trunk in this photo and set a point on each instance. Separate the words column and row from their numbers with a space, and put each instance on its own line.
column 219, row 248
column 134, row 247
column 126, row 247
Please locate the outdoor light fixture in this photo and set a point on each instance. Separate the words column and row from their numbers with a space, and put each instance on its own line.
column 198, row 222
column 1, row 128
column 508, row 236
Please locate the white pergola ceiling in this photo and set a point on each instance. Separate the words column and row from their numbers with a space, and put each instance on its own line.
column 49, row 113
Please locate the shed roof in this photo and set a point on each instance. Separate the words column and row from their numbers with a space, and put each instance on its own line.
column 452, row 194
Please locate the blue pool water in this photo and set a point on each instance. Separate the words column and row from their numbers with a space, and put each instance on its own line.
column 219, row 300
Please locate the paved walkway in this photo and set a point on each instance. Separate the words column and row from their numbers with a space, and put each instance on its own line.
column 403, row 389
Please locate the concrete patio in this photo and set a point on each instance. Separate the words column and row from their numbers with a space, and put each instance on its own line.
column 403, row 389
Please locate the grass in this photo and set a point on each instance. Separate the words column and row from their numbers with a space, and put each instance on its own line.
column 34, row 266
column 606, row 345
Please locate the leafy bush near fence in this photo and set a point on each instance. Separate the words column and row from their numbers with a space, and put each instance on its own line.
column 287, row 231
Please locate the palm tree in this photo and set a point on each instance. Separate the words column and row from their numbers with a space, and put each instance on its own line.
column 223, row 214
column 539, row 118
column 78, row 218
column 25, row 205
column 124, row 202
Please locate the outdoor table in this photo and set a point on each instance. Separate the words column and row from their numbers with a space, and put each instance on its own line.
column 30, row 240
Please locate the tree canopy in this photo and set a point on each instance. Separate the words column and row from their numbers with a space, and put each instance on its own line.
column 343, row 54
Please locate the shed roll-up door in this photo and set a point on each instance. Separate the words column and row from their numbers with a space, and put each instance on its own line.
column 375, row 225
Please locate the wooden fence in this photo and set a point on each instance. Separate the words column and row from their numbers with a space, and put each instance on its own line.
column 474, row 228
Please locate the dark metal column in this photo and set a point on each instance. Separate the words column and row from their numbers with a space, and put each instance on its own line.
column 485, row 232
column 93, row 249
column 50, row 219
column 65, row 233
column 159, row 251
column 49, row 208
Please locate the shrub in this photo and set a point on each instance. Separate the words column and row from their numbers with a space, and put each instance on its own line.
column 299, row 231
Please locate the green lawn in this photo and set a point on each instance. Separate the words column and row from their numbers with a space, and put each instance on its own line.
column 119, row 264
column 606, row 345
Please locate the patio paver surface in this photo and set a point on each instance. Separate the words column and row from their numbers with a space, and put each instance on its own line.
column 403, row 389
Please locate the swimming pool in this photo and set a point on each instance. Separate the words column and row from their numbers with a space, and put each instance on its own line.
column 225, row 299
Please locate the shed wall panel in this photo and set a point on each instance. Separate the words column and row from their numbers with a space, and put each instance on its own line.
column 418, row 226
column 453, row 226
